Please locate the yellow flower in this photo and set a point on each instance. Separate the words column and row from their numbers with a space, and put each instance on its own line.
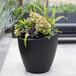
column 17, row 32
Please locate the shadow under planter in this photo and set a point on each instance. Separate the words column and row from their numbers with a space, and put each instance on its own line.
column 39, row 54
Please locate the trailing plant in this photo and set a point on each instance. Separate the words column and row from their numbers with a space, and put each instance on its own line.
column 37, row 26
column 6, row 18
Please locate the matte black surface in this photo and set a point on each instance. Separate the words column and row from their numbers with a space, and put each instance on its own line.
column 67, row 35
column 74, row 29
column 39, row 54
column 27, row 15
column 65, row 29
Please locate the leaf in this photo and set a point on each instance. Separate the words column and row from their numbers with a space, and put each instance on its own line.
column 52, row 33
column 53, row 15
column 25, row 21
column 37, row 7
column 34, row 9
column 45, row 12
column 60, row 17
column 36, row 33
column 28, row 19
column 31, row 10
column 21, row 21
column 56, row 31
column 25, row 39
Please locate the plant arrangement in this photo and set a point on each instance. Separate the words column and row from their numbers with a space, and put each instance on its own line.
column 37, row 26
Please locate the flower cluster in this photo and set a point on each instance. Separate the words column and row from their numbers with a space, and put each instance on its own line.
column 42, row 25
column 34, row 17
column 17, row 32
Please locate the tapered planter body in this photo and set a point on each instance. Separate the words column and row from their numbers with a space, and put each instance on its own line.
column 39, row 54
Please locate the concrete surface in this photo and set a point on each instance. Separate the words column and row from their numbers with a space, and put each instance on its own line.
column 4, row 45
column 64, row 63
column 2, row 33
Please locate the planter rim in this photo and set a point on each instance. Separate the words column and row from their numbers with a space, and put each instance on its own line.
column 38, row 39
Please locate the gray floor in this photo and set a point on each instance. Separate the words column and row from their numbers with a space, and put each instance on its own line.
column 64, row 63
column 4, row 46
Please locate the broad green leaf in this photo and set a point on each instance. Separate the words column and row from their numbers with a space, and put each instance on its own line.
column 21, row 21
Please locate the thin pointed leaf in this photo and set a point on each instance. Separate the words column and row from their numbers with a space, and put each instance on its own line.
column 37, row 7
column 60, row 17
column 34, row 9
column 45, row 11
column 53, row 15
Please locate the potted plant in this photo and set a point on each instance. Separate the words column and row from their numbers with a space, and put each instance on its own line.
column 37, row 40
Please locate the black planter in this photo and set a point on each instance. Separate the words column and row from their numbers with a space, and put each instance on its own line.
column 39, row 54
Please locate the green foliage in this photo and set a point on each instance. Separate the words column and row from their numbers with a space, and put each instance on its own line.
column 34, row 5
column 19, row 11
column 11, row 3
column 45, row 13
column 52, row 19
column 63, row 8
column 29, row 6
column 37, row 25
column 60, row 17
column 6, row 8
column 23, row 22
column 23, row 25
